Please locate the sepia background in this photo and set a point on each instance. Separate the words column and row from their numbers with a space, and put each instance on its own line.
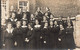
column 59, row 8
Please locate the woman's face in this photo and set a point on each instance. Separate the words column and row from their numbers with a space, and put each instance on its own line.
column 69, row 24
column 9, row 26
column 55, row 22
column 24, row 23
column 13, row 15
column 51, row 16
column 18, row 24
column 44, row 18
column 61, row 26
column 37, row 22
column 29, row 26
column 32, row 16
column 51, row 23
column 46, row 24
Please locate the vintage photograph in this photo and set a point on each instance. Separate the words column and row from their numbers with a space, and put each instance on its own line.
column 40, row 25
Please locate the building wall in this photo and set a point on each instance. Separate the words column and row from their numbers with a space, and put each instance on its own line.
column 60, row 7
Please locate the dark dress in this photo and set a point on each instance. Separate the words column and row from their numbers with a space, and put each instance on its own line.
column 8, row 39
column 56, row 33
column 45, row 38
column 52, row 37
column 24, row 31
column 61, row 35
column 39, row 16
column 69, row 38
column 37, row 31
column 18, row 37
column 30, row 36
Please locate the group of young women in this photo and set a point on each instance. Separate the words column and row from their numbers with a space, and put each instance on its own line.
column 37, row 31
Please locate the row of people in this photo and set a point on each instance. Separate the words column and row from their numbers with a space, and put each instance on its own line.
column 38, row 36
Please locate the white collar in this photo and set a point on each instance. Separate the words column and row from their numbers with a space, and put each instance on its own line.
column 10, row 31
column 37, row 26
column 23, row 26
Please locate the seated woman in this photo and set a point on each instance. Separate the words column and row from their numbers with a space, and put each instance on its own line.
column 8, row 37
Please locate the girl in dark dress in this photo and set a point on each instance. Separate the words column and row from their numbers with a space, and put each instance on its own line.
column 32, row 19
column 56, row 33
column 61, row 37
column 70, row 44
column 45, row 37
column 24, row 16
column 8, row 37
column 13, row 20
column 52, row 35
column 18, row 35
column 19, row 15
column 39, row 14
column 24, row 31
column 37, row 30
column 48, row 11
column 30, row 38
column 51, row 18
column 43, row 21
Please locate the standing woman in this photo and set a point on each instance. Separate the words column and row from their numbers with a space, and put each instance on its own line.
column 24, row 31
column 45, row 37
column 18, row 35
column 61, row 37
column 52, row 35
column 37, row 30
column 8, row 37
column 56, row 32
column 70, row 44
column 30, row 43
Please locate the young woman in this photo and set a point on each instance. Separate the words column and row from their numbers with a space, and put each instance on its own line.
column 70, row 44
column 37, row 30
column 29, row 39
column 13, row 19
column 24, row 31
column 32, row 19
column 18, row 35
column 61, row 37
column 8, row 37
column 19, row 14
column 52, row 35
column 24, row 17
column 56, row 32
column 46, row 37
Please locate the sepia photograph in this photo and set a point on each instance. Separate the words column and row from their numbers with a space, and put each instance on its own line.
column 40, row 25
